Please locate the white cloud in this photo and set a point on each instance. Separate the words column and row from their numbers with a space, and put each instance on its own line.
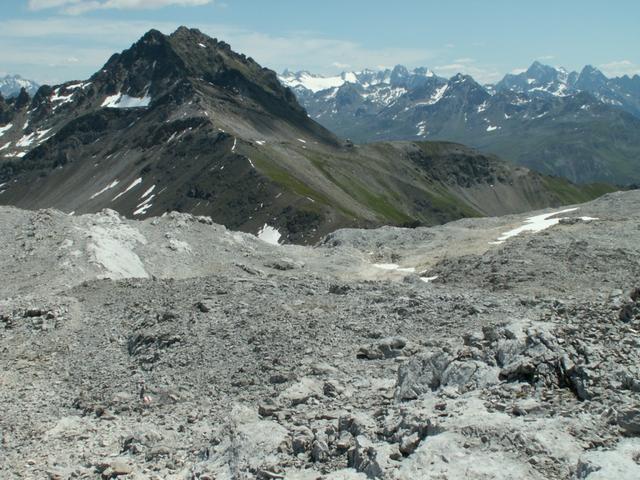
column 468, row 66
column 619, row 68
column 51, row 41
column 75, row 7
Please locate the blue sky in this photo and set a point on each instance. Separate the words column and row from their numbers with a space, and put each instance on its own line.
column 57, row 40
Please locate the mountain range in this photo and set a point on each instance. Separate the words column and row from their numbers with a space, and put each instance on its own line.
column 10, row 85
column 583, row 126
column 182, row 122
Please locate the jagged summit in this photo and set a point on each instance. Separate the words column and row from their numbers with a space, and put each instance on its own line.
column 182, row 122
column 10, row 85
column 157, row 62
column 528, row 117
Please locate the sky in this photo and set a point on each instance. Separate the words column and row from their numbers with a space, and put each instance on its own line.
column 52, row 41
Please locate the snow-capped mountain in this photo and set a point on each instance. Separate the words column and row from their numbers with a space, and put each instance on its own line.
column 10, row 85
column 565, row 123
column 182, row 122
column 539, row 79
column 378, row 88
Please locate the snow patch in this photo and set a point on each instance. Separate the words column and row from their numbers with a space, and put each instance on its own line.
column 313, row 82
column 60, row 99
column 5, row 128
column 394, row 267
column 269, row 234
column 436, row 97
column 534, row 224
column 77, row 85
column 429, row 279
column 108, row 187
column 112, row 246
column 26, row 140
column 125, row 101
column 491, row 128
column 148, row 191
column 143, row 209
column 7, row 145
column 137, row 181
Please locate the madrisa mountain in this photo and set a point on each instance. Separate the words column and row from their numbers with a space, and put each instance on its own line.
column 583, row 126
column 182, row 122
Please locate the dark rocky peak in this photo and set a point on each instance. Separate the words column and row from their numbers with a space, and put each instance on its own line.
column 545, row 74
column 539, row 69
column 461, row 80
column 147, row 67
column 465, row 90
column 157, row 64
column 399, row 75
column 22, row 100
column 348, row 94
column 5, row 111
column 572, row 78
column 214, row 61
column 591, row 78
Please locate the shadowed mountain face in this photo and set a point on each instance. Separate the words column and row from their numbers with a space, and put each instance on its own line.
column 181, row 122
column 583, row 126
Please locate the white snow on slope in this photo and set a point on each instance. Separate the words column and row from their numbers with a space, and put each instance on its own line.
column 108, row 187
column 491, row 128
column 148, row 191
column 429, row 279
column 60, row 99
column 125, row 101
column 5, row 128
column 7, row 145
column 78, row 85
column 534, row 224
column 313, row 82
column 269, row 234
column 26, row 140
column 112, row 246
column 146, row 204
column 436, row 97
column 143, row 209
column 137, row 181
column 394, row 267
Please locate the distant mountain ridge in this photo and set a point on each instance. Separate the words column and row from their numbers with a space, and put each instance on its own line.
column 10, row 86
column 181, row 122
column 583, row 126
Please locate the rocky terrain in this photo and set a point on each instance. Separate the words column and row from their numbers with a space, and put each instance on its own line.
column 173, row 348
column 181, row 122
